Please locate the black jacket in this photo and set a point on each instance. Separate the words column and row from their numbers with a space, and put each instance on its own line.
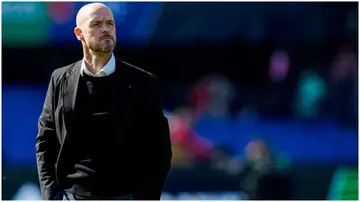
column 141, row 115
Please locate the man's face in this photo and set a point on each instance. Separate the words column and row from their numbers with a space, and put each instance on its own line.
column 99, row 31
column 256, row 150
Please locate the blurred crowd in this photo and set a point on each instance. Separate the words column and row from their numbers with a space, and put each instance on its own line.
column 315, row 93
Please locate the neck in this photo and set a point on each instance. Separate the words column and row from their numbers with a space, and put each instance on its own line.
column 94, row 62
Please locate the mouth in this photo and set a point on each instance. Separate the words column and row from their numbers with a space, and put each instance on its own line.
column 106, row 38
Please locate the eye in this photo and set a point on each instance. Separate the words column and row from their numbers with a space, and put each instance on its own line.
column 95, row 24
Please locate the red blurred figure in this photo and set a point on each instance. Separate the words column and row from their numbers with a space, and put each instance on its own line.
column 212, row 96
column 200, row 95
column 188, row 146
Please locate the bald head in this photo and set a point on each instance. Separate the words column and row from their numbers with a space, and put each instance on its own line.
column 95, row 28
column 90, row 9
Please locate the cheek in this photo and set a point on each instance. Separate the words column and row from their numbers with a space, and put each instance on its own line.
column 93, row 34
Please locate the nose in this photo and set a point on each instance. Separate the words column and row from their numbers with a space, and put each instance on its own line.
column 106, row 28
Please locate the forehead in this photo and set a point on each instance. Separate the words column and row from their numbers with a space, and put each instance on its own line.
column 99, row 18
column 100, row 14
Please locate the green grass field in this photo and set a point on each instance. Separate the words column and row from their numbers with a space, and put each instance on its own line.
column 345, row 184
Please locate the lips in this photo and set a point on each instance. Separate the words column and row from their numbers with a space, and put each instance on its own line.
column 106, row 38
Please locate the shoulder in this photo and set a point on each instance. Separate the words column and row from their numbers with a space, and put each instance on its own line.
column 64, row 71
column 139, row 74
column 144, row 81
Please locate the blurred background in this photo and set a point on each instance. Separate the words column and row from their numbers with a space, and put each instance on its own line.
column 261, row 97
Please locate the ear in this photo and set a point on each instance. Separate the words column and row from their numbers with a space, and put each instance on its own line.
column 78, row 33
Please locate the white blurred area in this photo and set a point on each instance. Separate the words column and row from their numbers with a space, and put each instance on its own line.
column 28, row 191
column 230, row 195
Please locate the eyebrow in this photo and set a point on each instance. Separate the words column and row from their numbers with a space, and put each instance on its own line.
column 94, row 21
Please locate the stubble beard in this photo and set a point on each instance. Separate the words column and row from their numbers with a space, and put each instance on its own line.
column 102, row 47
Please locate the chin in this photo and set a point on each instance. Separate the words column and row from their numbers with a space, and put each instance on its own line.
column 108, row 50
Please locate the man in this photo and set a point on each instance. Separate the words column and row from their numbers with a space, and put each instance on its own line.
column 261, row 177
column 102, row 133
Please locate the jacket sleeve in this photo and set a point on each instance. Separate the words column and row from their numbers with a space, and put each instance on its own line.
column 47, row 147
column 161, row 153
